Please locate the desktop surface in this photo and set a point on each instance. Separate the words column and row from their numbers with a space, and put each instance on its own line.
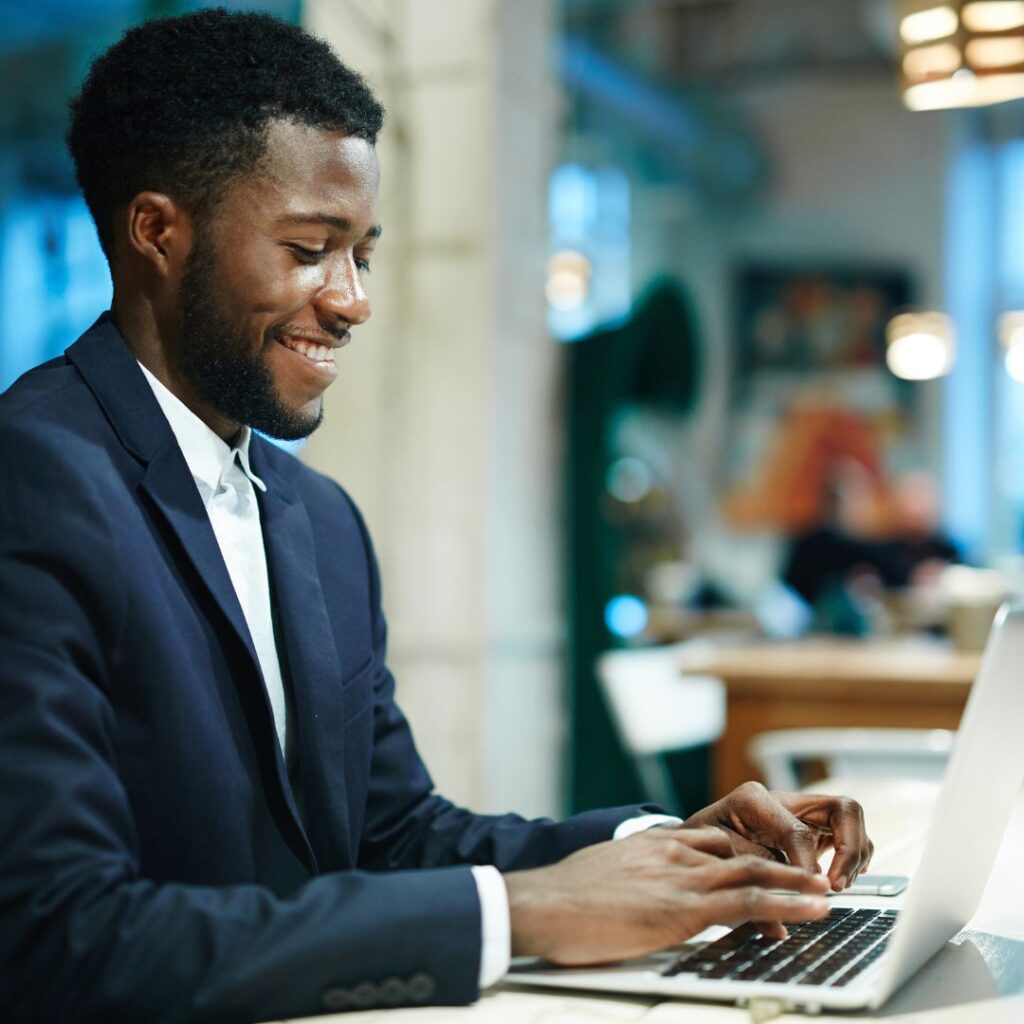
column 978, row 976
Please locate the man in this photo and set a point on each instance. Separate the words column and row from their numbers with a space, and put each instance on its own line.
column 212, row 808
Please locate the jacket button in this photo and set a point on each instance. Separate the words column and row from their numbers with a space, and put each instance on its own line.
column 364, row 995
column 393, row 992
column 421, row 987
column 337, row 999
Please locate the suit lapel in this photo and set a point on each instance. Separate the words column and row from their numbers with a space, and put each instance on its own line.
column 307, row 647
column 169, row 484
column 110, row 370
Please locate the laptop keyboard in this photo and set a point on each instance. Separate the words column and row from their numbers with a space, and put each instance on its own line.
column 831, row 951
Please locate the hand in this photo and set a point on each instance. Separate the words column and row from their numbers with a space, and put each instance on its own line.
column 796, row 826
column 657, row 888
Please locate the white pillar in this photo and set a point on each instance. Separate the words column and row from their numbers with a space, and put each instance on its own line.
column 444, row 424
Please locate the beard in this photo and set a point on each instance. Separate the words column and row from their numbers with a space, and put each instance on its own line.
column 219, row 362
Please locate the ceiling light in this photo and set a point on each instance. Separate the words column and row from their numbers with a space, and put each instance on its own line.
column 995, row 52
column 568, row 281
column 926, row 25
column 993, row 15
column 1010, row 328
column 978, row 62
column 920, row 346
column 1014, row 363
column 925, row 61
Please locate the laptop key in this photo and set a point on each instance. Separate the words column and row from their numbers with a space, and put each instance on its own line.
column 752, row 972
column 856, row 968
column 701, row 958
column 815, row 952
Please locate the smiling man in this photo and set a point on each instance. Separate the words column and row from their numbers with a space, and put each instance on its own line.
column 212, row 807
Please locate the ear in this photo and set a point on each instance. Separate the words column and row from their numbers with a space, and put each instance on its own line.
column 160, row 230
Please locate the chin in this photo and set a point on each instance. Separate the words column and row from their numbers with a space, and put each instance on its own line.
column 295, row 424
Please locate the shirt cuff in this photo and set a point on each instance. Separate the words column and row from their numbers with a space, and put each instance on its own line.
column 495, row 925
column 644, row 822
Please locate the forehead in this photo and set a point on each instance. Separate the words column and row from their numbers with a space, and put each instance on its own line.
column 311, row 169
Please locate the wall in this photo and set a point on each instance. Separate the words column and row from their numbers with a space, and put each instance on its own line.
column 856, row 178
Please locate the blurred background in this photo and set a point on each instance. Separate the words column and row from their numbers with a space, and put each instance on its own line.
column 691, row 408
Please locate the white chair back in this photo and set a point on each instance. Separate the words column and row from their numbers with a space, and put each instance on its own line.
column 657, row 709
column 851, row 753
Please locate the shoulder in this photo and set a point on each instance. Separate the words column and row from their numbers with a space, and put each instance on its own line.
column 36, row 392
column 57, row 447
column 50, row 401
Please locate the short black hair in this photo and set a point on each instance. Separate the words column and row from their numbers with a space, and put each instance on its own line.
column 181, row 105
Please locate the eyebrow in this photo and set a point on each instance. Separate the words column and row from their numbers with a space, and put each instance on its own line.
column 341, row 223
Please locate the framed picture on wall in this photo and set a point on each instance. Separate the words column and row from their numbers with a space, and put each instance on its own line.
column 814, row 319
column 812, row 394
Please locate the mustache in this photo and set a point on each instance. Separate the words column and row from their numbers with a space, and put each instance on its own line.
column 324, row 336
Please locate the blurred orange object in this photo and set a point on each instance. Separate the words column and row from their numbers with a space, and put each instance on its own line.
column 824, row 466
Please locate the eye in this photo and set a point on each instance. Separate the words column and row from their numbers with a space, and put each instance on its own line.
column 363, row 265
column 304, row 255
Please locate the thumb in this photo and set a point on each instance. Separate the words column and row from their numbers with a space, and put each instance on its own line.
column 799, row 842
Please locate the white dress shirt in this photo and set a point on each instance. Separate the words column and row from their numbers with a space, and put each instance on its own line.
column 226, row 484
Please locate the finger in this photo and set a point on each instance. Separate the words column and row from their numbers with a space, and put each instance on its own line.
column 708, row 839
column 852, row 846
column 666, row 844
column 686, row 856
column 752, row 870
column 715, row 841
column 871, row 853
column 844, row 819
column 742, row 847
column 762, row 818
column 734, row 906
column 773, row 930
column 795, row 838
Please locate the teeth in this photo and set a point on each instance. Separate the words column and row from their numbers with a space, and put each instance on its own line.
column 314, row 353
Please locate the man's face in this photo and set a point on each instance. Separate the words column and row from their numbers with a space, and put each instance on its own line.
column 273, row 281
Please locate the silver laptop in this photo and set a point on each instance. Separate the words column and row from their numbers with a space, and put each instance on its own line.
column 863, row 951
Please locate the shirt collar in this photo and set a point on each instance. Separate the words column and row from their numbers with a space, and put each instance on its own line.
column 209, row 457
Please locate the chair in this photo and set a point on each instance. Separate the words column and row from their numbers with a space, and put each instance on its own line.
column 851, row 753
column 657, row 710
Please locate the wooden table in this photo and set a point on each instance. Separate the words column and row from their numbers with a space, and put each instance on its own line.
column 977, row 979
column 830, row 682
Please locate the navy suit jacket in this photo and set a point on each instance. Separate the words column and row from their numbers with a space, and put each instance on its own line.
column 154, row 865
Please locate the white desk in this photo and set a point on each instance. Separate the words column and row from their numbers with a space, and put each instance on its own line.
column 977, row 979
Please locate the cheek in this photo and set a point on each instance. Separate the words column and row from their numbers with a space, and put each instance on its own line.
column 270, row 295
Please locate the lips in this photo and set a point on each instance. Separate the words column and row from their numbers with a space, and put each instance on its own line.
column 311, row 350
column 312, row 360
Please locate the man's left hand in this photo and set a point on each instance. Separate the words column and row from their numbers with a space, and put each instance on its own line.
column 797, row 827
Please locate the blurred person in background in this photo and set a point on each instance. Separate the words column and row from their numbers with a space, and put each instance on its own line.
column 855, row 533
column 212, row 807
column 876, row 537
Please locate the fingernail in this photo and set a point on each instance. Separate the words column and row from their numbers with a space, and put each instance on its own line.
column 841, row 882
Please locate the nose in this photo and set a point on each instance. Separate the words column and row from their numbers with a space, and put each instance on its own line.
column 342, row 296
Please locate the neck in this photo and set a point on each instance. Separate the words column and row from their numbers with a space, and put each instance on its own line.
column 147, row 336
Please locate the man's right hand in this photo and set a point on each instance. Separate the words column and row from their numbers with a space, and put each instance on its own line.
column 633, row 896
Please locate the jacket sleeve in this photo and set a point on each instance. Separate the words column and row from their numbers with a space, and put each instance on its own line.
column 408, row 825
column 83, row 935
